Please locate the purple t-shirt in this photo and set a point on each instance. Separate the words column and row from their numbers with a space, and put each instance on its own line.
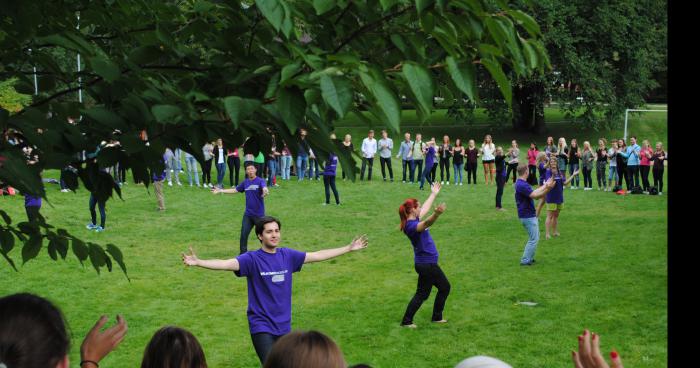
column 254, row 204
column 270, row 288
column 331, row 165
column 423, row 245
column 32, row 201
column 556, row 195
column 526, row 206
column 430, row 157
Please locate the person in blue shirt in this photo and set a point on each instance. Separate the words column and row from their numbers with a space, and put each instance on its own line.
column 632, row 154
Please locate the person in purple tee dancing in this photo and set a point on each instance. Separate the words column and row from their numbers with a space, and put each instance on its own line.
column 255, row 190
column 269, row 272
column 426, row 255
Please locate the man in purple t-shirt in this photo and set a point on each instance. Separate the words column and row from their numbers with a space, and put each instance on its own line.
column 255, row 190
column 524, row 199
column 269, row 272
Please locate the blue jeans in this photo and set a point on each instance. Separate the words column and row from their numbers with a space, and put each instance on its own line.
column 220, row 173
column 572, row 168
column 272, row 165
column 407, row 166
column 313, row 169
column 426, row 175
column 562, row 164
column 533, row 233
column 171, row 170
column 286, row 166
column 417, row 164
column 458, row 172
column 262, row 342
column 178, row 162
column 302, row 164
column 612, row 173
column 191, row 163
column 93, row 214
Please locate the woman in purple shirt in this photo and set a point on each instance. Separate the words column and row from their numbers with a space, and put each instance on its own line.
column 425, row 256
column 329, row 178
column 269, row 272
column 555, row 197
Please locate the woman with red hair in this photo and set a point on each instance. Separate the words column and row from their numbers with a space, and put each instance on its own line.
column 426, row 256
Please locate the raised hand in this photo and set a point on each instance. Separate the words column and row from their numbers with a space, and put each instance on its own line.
column 359, row 242
column 265, row 192
column 190, row 259
column 588, row 355
column 550, row 183
column 435, row 188
column 97, row 345
column 441, row 208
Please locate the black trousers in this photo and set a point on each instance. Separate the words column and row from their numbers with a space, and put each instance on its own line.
column 587, row 177
column 500, row 183
column 33, row 213
column 622, row 174
column 429, row 275
column 645, row 176
column 93, row 215
column 444, row 168
column 633, row 175
column 247, row 225
column 329, row 181
column 206, row 171
column 433, row 171
column 386, row 161
column 659, row 178
column 407, row 166
column 600, row 174
column 514, row 169
column 234, row 168
column 366, row 162
column 262, row 342
column 417, row 164
column 532, row 174
column 471, row 170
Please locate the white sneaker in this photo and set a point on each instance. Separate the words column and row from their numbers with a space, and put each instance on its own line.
column 180, row 184
column 170, row 183
column 442, row 183
column 448, row 183
column 461, row 183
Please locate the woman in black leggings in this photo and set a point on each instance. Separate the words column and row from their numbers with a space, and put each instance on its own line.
column 658, row 171
column 621, row 164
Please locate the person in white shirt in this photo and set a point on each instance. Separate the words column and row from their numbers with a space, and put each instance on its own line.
column 369, row 149
column 386, row 144
column 488, row 159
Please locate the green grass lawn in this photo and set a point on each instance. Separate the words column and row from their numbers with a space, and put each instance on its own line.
column 607, row 272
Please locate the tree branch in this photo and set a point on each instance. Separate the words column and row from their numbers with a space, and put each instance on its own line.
column 371, row 26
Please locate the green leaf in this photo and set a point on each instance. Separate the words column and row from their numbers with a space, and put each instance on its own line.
column 496, row 72
column 106, row 118
column 387, row 4
column 168, row 114
column 53, row 248
column 239, row 108
column 530, row 54
column 292, row 106
column 5, row 217
column 323, row 6
column 105, row 68
column 7, row 241
column 421, row 83
column 145, row 54
column 337, row 93
column 273, row 11
column 526, row 21
column 117, row 256
column 31, row 247
column 288, row 71
column 386, row 100
column 464, row 77
column 97, row 256
column 80, row 250
column 65, row 40
column 421, row 5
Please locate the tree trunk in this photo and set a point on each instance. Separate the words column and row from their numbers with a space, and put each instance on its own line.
column 528, row 107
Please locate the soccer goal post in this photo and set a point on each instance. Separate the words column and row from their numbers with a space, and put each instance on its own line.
column 627, row 111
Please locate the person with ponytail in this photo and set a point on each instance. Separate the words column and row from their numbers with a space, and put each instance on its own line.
column 425, row 255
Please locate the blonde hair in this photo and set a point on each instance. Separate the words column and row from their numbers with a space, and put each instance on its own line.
column 541, row 157
column 586, row 145
column 559, row 143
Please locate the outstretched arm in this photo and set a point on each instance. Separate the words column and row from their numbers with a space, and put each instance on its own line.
column 358, row 243
column 541, row 191
column 225, row 191
column 571, row 177
column 431, row 220
column 434, row 190
column 212, row 264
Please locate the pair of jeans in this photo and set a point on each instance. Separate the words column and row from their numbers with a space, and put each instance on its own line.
column 272, row 165
column 417, row 164
column 93, row 214
column 425, row 175
column 176, row 157
column 262, row 342
column 575, row 181
column 407, row 166
column 171, row 170
column 562, row 164
column 612, row 174
column 302, row 164
column 659, row 178
column 366, row 161
column 458, row 172
column 206, row 171
column 600, row 174
column 386, row 161
column 645, row 176
column 533, row 234
column 633, row 175
column 500, row 183
column 313, row 171
column 512, row 168
column 220, row 173
column 429, row 275
column 286, row 166
column 247, row 225
column 234, row 168
column 471, row 171
column 192, row 171
column 444, row 168
column 587, row 177
column 329, row 181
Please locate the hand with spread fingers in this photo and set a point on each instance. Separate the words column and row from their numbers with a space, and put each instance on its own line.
column 589, row 356
column 358, row 243
column 190, row 259
column 97, row 345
